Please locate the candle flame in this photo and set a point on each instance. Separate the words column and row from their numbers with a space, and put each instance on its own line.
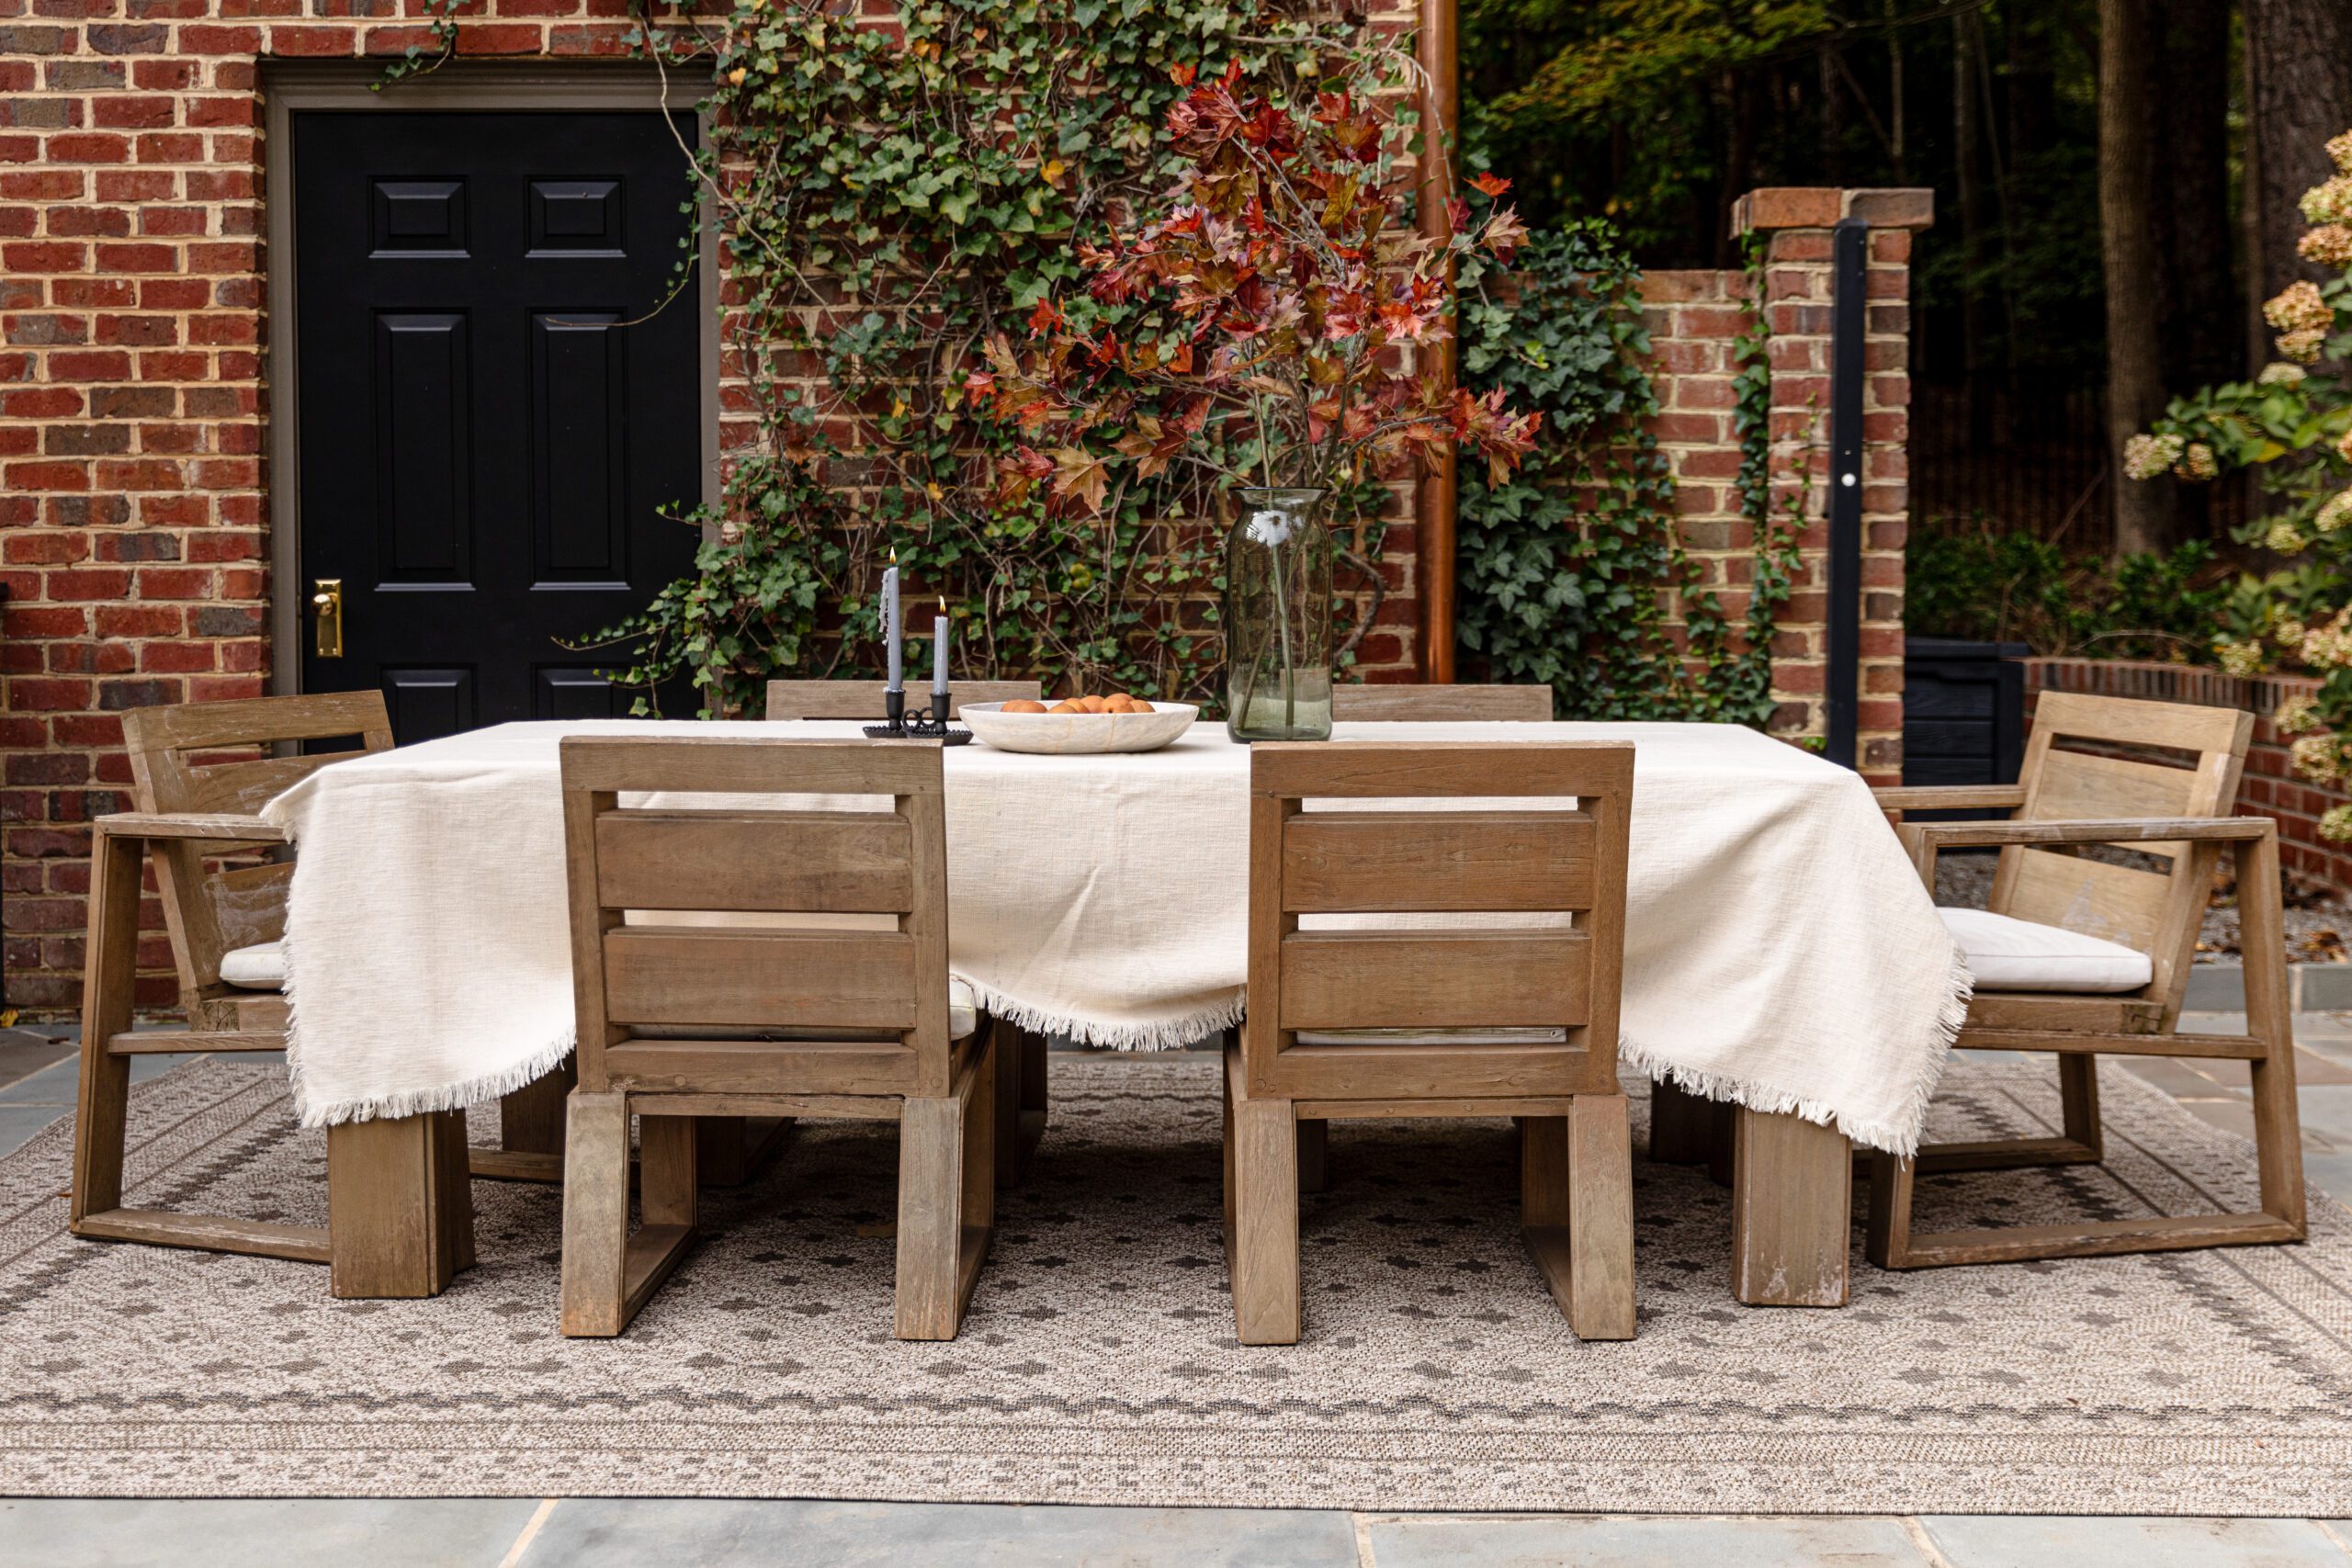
column 894, row 555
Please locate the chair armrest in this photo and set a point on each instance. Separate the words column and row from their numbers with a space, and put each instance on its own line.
column 190, row 825
column 1896, row 800
column 1934, row 836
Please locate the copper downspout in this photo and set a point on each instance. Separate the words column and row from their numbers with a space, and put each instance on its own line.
column 1435, row 46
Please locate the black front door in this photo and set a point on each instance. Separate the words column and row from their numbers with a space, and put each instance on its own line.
column 489, row 419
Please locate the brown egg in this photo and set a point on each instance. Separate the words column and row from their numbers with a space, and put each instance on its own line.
column 1118, row 702
column 1066, row 706
column 1022, row 705
column 1090, row 704
column 1136, row 705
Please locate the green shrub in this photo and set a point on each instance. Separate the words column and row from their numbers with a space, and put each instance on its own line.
column 1997, row 585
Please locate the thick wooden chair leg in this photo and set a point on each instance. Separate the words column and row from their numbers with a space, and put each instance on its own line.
column 1577, row 1211
column 2078, row 1104
column 102, row 1098
column 946, row 1155
column 1887, row 1239
column 1262, row 1199
column 530, row 1131
column 1723, row 1123
column 669, row 1168
column 1019, row 1098
column 1792, row 1192
column 400, row 1205
column 1682, row 1125
column 1314, row 1156
column 1601, row 1216
column 595, row 1215
column 731, row 1151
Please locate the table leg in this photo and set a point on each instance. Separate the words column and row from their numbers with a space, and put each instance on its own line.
column 1793, row 1195
column 1682, row 1125
column 400, row 1208
column 1021, row 1106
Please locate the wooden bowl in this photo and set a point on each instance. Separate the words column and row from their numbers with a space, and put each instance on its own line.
column 1075, row 734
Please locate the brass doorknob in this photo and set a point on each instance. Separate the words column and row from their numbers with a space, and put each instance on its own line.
column 326, row 598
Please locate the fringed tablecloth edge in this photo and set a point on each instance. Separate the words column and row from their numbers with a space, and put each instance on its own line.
column 1899, row 1137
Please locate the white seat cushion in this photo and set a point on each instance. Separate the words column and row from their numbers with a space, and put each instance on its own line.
column 2009, row 955
column 261, row 967
column 1432, row 1037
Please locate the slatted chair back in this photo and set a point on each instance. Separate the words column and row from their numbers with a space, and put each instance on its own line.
column 2105, row 759
column 1521, row 704
column 1521, row 850
column 862, row 699
column 776, row 1007
column 196, row 759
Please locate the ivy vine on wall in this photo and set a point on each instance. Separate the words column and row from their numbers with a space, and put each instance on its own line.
column 1573, row 572
column 889, row 193
column 887, row 197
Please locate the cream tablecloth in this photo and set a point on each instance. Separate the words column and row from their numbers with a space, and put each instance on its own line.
column 1780, row 950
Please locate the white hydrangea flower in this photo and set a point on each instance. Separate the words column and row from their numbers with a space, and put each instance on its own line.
column 2281, row 373
column 2295, row 714
column 2284, row 538
column 2145, row 456
column 2298, row 307
column 2338, row 824
column 2318, row 758
column 2304, row 346
column 2198, row 463
column 2239, row 658
column 2334, row 513
column 2329, row 201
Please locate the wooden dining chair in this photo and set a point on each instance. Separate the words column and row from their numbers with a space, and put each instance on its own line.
column 399, row 1210
column 679, row 1022
column 1521, row 704
column 2088, row 955
column 862, row 699
column 1022, row 1107
column 1383, row 1021
column 1439, row 702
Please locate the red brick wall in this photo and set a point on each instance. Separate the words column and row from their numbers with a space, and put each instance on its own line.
column 1693, row 319
column 2271, row 787
column 133, row 487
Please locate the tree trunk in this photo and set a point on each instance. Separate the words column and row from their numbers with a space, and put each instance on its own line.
column 2135, row 393
column 1968, row 143
column 2298, row 70
column 2199, row 304
column 2201, row 322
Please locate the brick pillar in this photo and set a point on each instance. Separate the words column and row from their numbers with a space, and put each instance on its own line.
column 1795, row 222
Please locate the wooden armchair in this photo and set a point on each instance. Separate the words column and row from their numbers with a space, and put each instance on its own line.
column 399, row 1211
column 1021, row 1106
column 2041, row 986
column 1521, row 704
column 1515, row 1020
column 682, row 1021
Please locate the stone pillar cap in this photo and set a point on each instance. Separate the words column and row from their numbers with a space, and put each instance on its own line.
column 1820, row 207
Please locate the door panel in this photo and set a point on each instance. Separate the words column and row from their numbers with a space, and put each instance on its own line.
column 492, row 412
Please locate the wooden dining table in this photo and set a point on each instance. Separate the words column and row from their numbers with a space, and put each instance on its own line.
column 1780, row 955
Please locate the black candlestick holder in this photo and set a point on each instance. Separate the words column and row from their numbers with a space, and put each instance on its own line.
column 898, row 725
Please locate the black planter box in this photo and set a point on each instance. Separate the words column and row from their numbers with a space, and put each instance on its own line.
column 1963, row 712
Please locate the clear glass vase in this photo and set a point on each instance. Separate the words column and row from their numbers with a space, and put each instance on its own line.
column 1278, row 560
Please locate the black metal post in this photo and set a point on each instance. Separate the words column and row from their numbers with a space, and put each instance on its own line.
column 1849, row 271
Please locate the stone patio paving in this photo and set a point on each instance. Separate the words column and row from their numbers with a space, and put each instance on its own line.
column 36, row 1085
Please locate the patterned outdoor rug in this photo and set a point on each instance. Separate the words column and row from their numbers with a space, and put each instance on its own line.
column 1099, row 1365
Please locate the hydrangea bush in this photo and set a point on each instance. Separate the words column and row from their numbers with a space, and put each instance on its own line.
column 2293, row 424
